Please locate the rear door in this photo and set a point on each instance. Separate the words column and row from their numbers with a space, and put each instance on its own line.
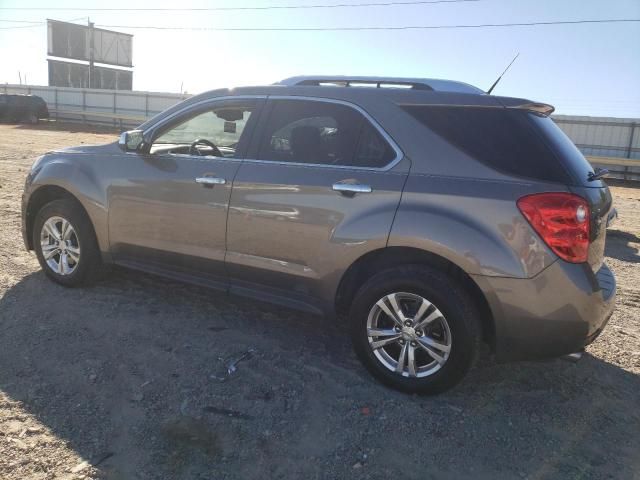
column 319, row 189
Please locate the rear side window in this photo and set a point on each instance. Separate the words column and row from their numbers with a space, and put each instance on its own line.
column 325, row 133
column 503, row 139
column 373, row 150
column 572, row 158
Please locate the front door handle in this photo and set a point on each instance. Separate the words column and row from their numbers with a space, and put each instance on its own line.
column 351, row 189
column 211, row 180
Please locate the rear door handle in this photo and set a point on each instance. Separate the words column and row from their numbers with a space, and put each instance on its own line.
column 351, row 188
column 211, row 180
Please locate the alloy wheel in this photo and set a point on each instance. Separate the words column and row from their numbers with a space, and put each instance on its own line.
column 60, row 245
column 409, row 335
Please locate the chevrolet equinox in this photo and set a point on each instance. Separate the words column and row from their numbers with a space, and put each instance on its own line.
column 429, row 215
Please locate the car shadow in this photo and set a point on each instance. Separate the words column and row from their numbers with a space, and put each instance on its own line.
column 623, row 246
column 148, row 378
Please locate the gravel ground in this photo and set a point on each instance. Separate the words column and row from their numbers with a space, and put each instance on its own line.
column 127, row 380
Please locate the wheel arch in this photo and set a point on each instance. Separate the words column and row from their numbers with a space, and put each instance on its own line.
column 377, row 260
column 42, row 196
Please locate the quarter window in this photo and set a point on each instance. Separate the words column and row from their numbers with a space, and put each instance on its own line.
column 503, row 139
column 316, row 132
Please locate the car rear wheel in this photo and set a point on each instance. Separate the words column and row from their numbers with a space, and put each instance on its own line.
column 65, row 244
column 415, row 329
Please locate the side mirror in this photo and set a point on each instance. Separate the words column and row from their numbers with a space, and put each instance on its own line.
column 130, row 141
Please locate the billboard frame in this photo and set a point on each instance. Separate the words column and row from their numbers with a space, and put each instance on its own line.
column 89, row 43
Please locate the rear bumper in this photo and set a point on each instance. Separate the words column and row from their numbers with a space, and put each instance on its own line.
column 559, row 311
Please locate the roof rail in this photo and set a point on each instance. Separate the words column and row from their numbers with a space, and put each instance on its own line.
column 382, row 82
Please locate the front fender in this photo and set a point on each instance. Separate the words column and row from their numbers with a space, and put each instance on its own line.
column 74, row 174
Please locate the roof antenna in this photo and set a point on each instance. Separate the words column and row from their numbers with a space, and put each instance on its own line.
column 500, row 77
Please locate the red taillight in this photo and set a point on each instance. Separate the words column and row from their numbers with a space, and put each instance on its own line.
column 562, row 220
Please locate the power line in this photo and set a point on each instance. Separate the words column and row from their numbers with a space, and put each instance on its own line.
column 40, row 24
column 219, row 9
column 405, row 27
column 333, row 29
column 34, row 23
column 20, row 21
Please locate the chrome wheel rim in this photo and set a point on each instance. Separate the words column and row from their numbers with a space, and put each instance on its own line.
column 60, row 245
column 409, row 335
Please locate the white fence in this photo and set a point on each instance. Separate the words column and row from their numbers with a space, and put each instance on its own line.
column 120, row 108
column 612, row 143
column 603, row 137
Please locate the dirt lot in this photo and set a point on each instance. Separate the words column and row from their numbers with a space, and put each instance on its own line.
column 126, row 380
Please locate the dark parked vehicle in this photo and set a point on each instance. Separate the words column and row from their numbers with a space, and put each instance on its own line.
column 428, row 214
column 22, row 108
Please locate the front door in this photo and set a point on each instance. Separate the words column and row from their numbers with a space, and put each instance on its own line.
column 322, row 191
column 168, row 210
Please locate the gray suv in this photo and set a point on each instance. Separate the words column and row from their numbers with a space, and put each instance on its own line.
column 429, row 215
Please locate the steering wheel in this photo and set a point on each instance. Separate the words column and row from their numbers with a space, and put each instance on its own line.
column 203, row 141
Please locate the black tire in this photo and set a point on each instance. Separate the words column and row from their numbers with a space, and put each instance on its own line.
column 89, row 266
column 446, row 295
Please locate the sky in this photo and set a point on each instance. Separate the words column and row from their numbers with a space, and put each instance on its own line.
column 584, row 69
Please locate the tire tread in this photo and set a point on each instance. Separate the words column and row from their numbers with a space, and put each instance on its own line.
column 90, row 268
column 452, row 297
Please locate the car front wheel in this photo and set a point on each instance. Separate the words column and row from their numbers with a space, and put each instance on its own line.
column 415, row 329
column 65, row 244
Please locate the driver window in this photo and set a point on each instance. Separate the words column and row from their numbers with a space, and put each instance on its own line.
column 215, row 132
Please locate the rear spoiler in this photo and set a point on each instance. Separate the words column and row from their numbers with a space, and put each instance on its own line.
column 542, row 109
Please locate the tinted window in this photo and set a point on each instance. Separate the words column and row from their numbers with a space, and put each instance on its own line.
column 373, row 150
column 572, row 158
column 500, row 138
column 322, row 133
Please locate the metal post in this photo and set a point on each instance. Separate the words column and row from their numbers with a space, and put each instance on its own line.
column 114, row 108
column 84, row 106
column 146, row 105
column 55, row 94
column 92, row 80
column 630, row 147
column 631, row 135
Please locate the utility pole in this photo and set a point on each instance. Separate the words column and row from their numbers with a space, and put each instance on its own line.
column 91, row 48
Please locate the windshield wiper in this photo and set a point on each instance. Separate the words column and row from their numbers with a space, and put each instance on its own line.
column 597, row 174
